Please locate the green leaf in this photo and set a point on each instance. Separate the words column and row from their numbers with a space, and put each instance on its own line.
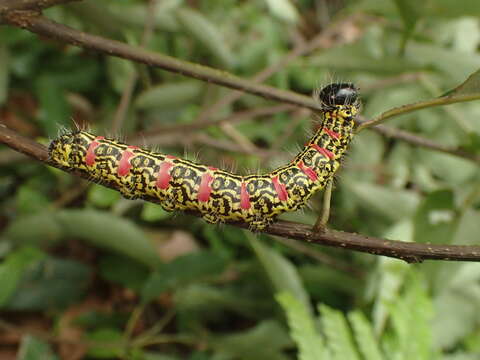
column 472, row 143
column 467, row 230
column 450, row 9
column 123, row 270
column 154, row 212
column 207, row 34
column 329, row 284
column 55, row 109
column 102, row 319
column 380, row 199
column 119, row 71
column 471, row 86
column 411, row 316
column 101, row 196
column 169, row 95
column 107, row 343
column 39, row 230
column 302, row 328
column 13, row 269
column 441, row 165
column 32, row 348
column 281, row 272
column 410, row 11
column 31, row 201
column 110, row 232
column 264, row 341
column 358, row 58
column 457, row 305
column 207, row 301
column 456, row 64
column 391, row 276
column 181, row 271
column 339, row 337
column 435, row 221
column 216, row 240
column 284, row 10
column 364, row 337
column 50, row 284
column 130, row 15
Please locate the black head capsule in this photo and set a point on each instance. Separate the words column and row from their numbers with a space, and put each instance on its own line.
column 338, row 94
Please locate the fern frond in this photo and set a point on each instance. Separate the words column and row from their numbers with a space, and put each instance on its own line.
column 363, row 333
column 338, row 334
column 302, row 329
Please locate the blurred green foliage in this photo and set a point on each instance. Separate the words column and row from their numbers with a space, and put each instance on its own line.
column 133, row 286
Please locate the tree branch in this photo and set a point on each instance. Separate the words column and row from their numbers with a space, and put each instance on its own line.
column 407, row 251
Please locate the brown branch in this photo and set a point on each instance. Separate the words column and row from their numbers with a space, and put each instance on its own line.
column 410, row 252
column 34, row 22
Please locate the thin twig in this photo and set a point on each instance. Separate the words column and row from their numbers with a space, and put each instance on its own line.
column 131, row 324
column 241, row 140
column 410, row 252
column 408, row 108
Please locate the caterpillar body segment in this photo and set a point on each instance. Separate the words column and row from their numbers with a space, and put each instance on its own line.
column 217, row 195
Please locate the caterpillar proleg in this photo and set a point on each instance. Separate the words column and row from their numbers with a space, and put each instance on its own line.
column 218, row 196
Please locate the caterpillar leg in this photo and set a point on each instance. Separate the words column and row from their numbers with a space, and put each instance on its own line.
column 211, row 218
column 128, row 192
column 168, row 205
column 260, row 223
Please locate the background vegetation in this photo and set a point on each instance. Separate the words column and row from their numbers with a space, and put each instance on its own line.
column 87, row 274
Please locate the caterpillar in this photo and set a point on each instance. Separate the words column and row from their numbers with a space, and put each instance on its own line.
column 216, row 195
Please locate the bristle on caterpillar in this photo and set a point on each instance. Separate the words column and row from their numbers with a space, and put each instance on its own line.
column 218, row 196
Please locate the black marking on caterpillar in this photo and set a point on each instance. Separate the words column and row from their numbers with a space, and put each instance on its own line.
column 217, row 195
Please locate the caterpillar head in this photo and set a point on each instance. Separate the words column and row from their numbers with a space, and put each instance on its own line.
column 342, row 97
column 338, row 94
